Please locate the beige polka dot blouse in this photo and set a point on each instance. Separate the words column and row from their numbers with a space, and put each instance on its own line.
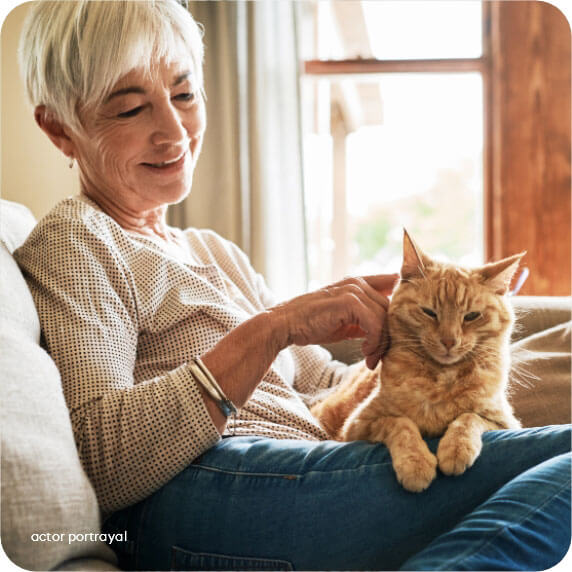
column 122, row 315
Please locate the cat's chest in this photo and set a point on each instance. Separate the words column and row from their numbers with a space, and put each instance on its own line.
column 432, row 399
column 451, row 383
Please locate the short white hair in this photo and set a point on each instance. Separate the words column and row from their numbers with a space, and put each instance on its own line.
column 72, row 53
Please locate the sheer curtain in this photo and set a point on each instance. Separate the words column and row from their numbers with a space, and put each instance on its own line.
column 248, row 182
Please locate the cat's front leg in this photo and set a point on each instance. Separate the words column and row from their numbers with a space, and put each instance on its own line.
column 461, row 444
column 414, row 465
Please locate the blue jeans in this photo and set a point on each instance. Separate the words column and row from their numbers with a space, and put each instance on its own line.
column 253, row 503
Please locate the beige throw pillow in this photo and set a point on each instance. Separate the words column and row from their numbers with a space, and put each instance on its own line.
column 44, row 488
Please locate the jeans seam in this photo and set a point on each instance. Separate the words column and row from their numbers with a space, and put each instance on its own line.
column 244, row 473
column 180, row 551
column 288, row 475
column 473, row 550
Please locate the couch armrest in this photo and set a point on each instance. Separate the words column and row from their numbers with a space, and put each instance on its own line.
column 537, row 313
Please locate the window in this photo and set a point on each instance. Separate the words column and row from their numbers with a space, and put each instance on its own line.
column 393, row 123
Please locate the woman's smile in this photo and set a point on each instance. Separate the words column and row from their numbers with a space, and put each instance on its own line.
column 168, row 166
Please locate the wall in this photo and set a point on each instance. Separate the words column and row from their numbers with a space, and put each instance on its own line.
column 33, row 171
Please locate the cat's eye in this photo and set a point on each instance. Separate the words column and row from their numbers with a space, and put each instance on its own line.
column 472, row 316
column 429, row 312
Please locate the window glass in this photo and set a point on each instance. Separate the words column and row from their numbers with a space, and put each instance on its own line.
column 424, row 29
column 390, row 29
column 398, row 150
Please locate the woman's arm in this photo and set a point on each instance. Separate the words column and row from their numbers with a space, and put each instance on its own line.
column 354, row 307
column 132, row 438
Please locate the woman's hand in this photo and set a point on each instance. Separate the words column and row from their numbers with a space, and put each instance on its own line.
column 351, row 308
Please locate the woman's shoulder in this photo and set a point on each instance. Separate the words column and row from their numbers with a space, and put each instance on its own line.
column 78, row 211
column 77, row 217
column 74, row 226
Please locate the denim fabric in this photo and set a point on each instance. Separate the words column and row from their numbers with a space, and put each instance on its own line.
column 517, row 527
column 253, row 503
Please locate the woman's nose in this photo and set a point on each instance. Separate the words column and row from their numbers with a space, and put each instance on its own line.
column 168, row 127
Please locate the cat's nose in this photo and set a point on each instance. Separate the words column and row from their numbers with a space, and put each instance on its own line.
column 448, row 343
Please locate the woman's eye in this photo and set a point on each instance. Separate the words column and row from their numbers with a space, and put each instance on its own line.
column 429, row 312
column 185, row 97
column 131, row 112
column 472, row 316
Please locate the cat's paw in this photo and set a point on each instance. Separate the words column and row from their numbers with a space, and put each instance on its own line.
column 456, row 455
column 416, row 471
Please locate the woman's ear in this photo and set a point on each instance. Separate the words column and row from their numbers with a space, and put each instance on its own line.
column 55, row 130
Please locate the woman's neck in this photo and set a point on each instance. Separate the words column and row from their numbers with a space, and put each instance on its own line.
column 151, row 222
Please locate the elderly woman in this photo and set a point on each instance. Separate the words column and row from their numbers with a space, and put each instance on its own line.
column 184, row 379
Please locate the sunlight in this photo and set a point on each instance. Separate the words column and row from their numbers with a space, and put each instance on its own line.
column 413, row 146
column 422, row 29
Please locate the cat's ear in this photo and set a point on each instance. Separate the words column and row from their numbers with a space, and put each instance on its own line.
column 498, row 275
column 414, row 260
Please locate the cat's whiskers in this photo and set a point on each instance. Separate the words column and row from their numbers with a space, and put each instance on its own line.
column 411, row 343
column 518, row 373
column 484, row 356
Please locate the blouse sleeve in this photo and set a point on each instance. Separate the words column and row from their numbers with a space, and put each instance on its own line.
column 132, row 438
column 315, row 368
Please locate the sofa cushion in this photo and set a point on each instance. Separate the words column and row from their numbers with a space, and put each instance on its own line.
column 17, row 309
column 16, row 223
column 44, row 489
column 541, row 391
column 539, row 313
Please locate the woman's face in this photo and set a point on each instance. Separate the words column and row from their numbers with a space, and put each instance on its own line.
column 139, row 147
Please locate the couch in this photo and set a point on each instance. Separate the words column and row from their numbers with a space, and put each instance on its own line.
column 50, row 518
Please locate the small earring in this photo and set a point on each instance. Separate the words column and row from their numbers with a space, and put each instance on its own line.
column 70, row 164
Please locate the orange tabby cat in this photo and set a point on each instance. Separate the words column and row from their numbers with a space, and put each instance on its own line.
column 446, row 372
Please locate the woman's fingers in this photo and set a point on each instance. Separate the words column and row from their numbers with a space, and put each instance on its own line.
column 379, row 296
column 351, row 308
column 369, row 311
column 371, row 291
column 383, row 283
column 374, row 353
column 372, row 360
